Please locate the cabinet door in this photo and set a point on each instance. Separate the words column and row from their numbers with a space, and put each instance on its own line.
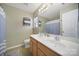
column 40, row 53
column 34, row 49
column 31, row 46
column 46, row 50
column 69, row 23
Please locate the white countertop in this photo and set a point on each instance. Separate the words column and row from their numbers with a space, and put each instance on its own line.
column 61, row 46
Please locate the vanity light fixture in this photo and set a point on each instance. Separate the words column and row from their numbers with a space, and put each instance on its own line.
column 43, row 8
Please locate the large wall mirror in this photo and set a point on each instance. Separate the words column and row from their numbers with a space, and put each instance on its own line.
column 62, row 20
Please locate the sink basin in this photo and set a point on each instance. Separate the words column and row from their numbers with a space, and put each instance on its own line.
column 55, row 43
column 69, row 44
column 60, row 42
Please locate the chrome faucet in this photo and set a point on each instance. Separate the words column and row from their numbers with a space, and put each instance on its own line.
column 57, row 38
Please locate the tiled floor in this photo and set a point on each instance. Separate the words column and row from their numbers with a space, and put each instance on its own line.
column 19, row 51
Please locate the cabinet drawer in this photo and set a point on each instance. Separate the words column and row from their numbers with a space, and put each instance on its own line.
column 46, row 50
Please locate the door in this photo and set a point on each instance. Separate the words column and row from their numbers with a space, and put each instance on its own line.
column 69, row 23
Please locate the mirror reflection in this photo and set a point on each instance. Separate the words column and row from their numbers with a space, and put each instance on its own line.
column 59, row 19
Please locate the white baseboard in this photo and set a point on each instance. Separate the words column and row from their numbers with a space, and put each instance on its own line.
column 14, row 46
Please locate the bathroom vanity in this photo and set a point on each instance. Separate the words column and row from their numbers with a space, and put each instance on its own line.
column 39, row 49
column 42, row 45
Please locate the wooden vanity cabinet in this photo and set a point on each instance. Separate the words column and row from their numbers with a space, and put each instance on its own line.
column 38, row 49
column 40, row 53
column 45, row 50
column 33, row 46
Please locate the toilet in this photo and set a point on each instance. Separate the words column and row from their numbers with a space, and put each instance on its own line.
column 27, row 43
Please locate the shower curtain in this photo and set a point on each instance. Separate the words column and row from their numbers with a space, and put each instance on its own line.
column 2, row 33
column 53, row 27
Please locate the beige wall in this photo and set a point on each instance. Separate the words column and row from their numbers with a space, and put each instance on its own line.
column 15, row 31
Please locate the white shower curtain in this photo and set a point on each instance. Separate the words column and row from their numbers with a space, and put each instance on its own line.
column 53, row 27
column 2, row 33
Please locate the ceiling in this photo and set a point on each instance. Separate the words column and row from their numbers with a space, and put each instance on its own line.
column 52, row 12
column 28, row 7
